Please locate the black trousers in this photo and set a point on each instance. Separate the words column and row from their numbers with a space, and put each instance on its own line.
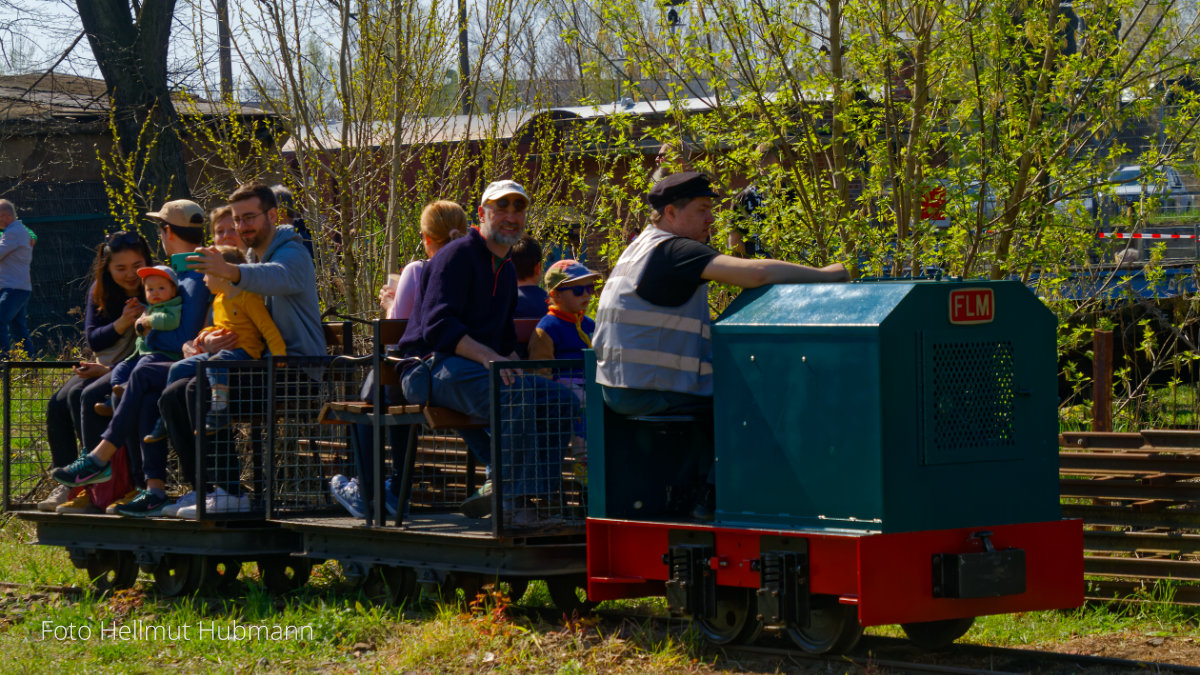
column 71, row 418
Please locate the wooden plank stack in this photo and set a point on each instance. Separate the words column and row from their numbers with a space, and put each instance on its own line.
column 1139, row 497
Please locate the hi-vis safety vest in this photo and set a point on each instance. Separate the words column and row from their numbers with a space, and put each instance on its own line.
column 641, row 345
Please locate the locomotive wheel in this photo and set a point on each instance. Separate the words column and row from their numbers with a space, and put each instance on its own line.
column 832, row 629
column 111, row 570
column 284, row 574
column 178, row 574
column 735, row 619
column 220, row 573
column 569, row 594
column 937, row 634
column 354, row 574
column 390, row 584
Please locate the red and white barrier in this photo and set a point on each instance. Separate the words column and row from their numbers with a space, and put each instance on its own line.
column 1142, row 235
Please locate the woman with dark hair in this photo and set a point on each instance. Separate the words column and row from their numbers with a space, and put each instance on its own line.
column 114, row 302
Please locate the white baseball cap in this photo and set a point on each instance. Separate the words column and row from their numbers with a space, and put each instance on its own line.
column 501, row 188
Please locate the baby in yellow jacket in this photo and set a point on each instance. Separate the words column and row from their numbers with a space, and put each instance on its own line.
column 244, row 314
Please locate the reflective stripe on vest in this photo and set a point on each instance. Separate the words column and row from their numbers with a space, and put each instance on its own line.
column 640, row 345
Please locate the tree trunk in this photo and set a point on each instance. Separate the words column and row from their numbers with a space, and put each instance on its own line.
column 131, row 52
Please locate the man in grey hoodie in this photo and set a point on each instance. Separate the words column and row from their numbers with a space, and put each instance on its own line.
column 16, row 255
column 280, row 269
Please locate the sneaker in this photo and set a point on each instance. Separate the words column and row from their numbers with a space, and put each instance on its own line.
column 172, row 510
column 59, row 495
column 705, row 509
column 145, row 505
column 82, row 503
column 105, row 408
column 217, row 502
column 83, row 471
column 216, row 420
column 345, row 491
column 122, row 501
column 479, row 504
column 158, row 433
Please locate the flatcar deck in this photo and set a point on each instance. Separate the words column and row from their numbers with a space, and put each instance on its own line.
column 244, row 537
column 441, row 540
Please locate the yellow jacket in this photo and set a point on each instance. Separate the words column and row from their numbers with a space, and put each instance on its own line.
column 245, row 314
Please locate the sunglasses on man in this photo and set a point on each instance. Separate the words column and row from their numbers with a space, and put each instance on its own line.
column 518, row 205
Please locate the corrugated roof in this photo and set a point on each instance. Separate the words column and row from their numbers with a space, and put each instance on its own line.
column 49, row 96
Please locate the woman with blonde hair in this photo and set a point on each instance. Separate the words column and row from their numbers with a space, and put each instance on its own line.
column 441, row 222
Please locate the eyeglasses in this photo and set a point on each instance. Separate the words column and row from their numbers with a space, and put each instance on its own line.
column 249, row 217
column 581, row 290
column 122, row 240
column 518, row 205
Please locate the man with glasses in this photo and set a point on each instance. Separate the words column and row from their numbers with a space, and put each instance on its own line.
column 280, row 269
column 463, row 324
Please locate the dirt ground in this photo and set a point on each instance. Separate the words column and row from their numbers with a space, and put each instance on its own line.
column 1177, row 649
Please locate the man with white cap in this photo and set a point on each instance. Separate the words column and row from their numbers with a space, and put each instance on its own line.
column 464, row 323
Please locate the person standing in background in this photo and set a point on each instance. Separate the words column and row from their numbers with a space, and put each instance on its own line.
column 16, row 285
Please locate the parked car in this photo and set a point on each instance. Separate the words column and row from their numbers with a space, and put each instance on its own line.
column 1136, row 183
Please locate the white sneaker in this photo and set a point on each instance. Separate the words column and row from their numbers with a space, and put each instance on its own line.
column 217, row 502
column 58, row 495
column 345, row 491
column 172, row 510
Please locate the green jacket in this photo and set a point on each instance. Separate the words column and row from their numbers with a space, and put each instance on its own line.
column 163, row 316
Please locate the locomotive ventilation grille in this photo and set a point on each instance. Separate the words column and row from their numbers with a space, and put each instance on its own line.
column 974, row 394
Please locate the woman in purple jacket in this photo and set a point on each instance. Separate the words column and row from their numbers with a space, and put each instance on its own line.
column 114, row 302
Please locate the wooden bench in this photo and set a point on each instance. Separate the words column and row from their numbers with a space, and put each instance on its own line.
column 389, row 332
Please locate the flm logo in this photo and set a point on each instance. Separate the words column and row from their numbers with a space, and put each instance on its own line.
column 972, row 305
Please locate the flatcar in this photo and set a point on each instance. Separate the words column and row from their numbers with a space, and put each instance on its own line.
column 883, row 453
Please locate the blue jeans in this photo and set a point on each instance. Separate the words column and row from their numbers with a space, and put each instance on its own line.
column 536, row 422
column 12, row 318
column 181, row 370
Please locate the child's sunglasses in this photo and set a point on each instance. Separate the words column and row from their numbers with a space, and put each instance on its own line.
column 581, row 290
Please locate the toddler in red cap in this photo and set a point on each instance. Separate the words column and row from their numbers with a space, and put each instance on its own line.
column 163, row 314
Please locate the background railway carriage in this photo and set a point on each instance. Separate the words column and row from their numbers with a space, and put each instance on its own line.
column 885, row 452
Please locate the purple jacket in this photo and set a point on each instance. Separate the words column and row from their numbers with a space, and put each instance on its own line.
column 464, row 291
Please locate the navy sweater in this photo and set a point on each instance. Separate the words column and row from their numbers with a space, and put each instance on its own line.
column 463, row 293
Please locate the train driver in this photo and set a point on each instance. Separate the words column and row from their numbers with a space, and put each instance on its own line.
column 653, row 351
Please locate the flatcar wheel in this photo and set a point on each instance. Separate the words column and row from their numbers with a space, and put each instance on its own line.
column 111, row 570
column 470, row 584
column 284, row 574
column 220, row 573
column 734, row 621
column 516, row 587
column 390, row 584
column 832, row 629
column 178, row 574
column 569, row 595
column 937, row 634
